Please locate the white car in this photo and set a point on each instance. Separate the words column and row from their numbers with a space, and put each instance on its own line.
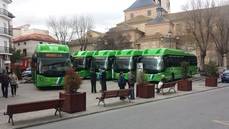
column 27, row 73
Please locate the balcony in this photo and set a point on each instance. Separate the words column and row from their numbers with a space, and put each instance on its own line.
column 6, row 31
column 4, row 50
column 6, row 13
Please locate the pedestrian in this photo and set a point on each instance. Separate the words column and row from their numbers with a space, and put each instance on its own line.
column 122, row 83
column 5, row 84
column 13, row 83
column 103, row 80
column 93, row 80
column 160, row 84
column 131, row 83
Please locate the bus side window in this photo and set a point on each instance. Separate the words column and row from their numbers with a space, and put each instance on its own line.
column 167, row 62
column 110, row 62
column 88, row 62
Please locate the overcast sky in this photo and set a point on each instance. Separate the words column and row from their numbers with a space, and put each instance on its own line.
column 106, row 13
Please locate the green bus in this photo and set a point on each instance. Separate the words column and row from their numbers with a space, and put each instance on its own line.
column 166, row 62
column 50, row 61
column 104, row 59
column 81, row 61
column 126, row 60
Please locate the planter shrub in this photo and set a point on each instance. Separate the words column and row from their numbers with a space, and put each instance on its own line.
column 211, row 72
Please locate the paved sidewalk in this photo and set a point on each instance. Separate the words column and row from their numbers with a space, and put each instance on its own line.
column 27, row 93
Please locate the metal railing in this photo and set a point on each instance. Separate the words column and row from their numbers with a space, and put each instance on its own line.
column 7, row 31
column 4, row 49
column 6, row 13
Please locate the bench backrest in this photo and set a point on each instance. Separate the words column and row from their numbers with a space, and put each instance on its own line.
column 34, row 106
column 124, row 92
column 169, row 84
column 110, row 94
column 115, row 93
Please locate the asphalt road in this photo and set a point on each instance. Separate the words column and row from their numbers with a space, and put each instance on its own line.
column 207, row 110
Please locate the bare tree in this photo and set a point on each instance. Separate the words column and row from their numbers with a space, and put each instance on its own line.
column 82, row 26
column 113, row 40
column 200, row 19
column 220, row 33
column 61, row 27
column 65, row 29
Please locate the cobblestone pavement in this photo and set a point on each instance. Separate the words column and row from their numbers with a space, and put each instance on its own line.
column 28, row 93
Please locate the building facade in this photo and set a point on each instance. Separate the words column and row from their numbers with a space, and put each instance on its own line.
column 161, row 28
column 91, row 37
column 27, row 45
column 5, row 34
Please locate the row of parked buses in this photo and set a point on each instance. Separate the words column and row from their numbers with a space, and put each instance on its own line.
column 51, row 61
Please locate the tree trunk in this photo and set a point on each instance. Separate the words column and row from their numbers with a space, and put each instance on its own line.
column 220, row 60
column 202, row 61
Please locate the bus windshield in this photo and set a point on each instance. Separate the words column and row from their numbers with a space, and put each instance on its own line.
column 101, row 63
column 79, row 63
column 123, row 64
column 54, row 67
column 152, row 64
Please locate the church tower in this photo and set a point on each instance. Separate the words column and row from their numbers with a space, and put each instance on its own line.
column 165, row 4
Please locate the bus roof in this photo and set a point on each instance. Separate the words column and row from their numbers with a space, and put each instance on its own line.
column 52, row 48
column 83, row 53
column 104, row 53
column 165, row 51
column 129, row 52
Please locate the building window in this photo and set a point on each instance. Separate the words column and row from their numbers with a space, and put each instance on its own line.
column 131, row 15
column 149, row 13
column 24, row 43
column 18, row 44
column 24, row 52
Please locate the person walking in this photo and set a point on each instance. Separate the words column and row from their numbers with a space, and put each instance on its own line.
column 5, row 84
column 93, row 80
column 131, row 83
column 103, row 80
column 13, row 83
column 122, row 83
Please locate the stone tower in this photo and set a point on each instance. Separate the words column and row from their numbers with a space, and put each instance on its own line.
column 165, row 4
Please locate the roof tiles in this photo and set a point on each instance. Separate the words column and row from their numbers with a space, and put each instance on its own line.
column 141, row 3
column 35, row 37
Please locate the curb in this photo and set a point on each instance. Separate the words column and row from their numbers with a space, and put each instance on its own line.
column 116, row 108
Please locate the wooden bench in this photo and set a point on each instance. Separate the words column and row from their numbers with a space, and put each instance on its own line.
column 170, row 85
column 33, row 106
column 113, row 94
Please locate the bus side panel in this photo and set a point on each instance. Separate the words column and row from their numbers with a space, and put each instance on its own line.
column 84, row 73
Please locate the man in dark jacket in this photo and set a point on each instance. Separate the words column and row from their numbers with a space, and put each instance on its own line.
column 122, row 83
column 103, row 79
column 93, row 80
column 5, row 84
column 131, row 83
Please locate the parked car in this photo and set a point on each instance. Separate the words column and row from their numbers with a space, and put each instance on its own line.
column 27, row 73
column 225, row 76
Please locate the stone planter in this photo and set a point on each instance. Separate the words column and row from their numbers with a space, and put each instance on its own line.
column 211, row 81
column 145, row 90
column 74, row 102
column 184, row 85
